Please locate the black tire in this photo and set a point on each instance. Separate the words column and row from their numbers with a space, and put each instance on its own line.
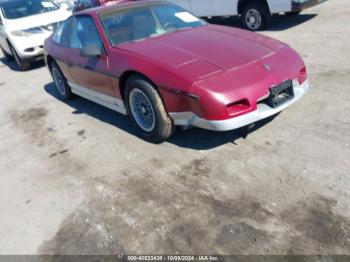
column 163, row 126
column 7, row 56
column 257, row 11
column 23, row 65
column 60, row 81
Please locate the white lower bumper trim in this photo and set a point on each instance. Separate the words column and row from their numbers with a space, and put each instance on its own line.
column 263, row 111
column 99, row 98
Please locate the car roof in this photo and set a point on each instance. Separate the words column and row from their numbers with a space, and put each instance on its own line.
column 2, row 2
column 5, row 1
column 8, row 1
column 119, row 5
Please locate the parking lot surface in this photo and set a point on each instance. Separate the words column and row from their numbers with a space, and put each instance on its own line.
column 75, row 178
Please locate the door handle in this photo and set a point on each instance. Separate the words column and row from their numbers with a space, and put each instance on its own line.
column 70, row 65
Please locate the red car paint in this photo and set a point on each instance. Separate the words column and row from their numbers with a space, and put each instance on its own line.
column 227, row 69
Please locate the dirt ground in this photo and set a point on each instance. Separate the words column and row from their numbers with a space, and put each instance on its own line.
column 75, row 178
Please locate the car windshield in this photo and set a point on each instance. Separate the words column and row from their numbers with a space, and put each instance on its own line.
column 13, row 9
column 139, row 23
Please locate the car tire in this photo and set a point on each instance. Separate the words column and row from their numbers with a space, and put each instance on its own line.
column 22, row 64
column 7, row 56
column 146, row 110
column 256, row 16
column 60, row 81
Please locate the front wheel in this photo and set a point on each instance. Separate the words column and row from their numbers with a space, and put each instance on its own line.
column 146, row 110
column 22, row 64
column 256, row 16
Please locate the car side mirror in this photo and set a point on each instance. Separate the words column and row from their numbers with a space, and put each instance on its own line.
column 91, row 50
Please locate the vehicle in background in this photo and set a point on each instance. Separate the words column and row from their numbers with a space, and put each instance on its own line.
column 164, row 67
column 67, row 4
column 84, row 4
column 255, row 14
column 24, row 26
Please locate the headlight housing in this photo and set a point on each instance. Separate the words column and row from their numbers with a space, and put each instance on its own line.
column 27, row 32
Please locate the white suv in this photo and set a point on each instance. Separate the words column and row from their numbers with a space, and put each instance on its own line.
column 24, row 25
column 255, row 14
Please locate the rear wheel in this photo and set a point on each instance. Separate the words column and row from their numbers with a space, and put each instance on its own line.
column 22, row 64
column 146, row 109
column 7, row 56
column 256, row 16
column 60, row 82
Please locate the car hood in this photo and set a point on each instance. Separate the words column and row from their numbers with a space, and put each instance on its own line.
column 206, row 51
column 37, row 20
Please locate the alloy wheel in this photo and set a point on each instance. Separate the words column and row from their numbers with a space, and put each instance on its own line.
column 59, row 81
column 142, row 110
column 253, row 19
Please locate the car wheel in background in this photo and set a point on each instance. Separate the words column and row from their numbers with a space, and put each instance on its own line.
column 60, row 82
column 256, row 16
column 146, row 109
column 22, row 64
column 7, row 56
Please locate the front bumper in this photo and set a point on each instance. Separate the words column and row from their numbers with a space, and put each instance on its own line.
column 29, row 48
column 300, row 5
column 263, row 111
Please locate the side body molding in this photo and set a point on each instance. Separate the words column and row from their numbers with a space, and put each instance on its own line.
column 99, row 98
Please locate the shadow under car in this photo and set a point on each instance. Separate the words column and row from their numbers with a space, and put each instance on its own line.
column 193, row 138
column 278, row 22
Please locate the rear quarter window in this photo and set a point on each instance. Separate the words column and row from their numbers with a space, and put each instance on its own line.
column 84, row 33
column 62, row 33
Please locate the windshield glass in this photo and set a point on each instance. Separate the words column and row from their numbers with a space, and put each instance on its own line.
column 13, row 9
column 138, row 23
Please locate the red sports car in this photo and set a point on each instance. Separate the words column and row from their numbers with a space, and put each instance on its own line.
column 164, row 67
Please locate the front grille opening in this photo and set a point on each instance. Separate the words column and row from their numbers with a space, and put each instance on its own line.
column 279, row 94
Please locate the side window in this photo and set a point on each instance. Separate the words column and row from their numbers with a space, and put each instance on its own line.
column 84, row 33
column 62, row 33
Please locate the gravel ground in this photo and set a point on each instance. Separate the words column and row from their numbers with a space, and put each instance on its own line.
column 75, row 178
